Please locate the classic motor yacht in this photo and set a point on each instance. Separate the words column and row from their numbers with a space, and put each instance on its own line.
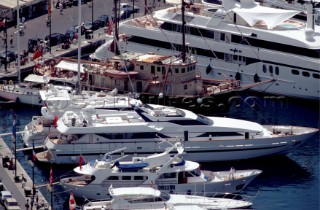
column 238, row 40
column 93, row 132
column 57, row 101
column 168, row 172
column 131, row 198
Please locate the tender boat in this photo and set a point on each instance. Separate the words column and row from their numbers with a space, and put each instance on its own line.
column 166, row 171
column 131, row 198
column 93, row 132
column 27, row 92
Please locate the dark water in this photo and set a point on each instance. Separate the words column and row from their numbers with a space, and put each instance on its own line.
column 287, row 182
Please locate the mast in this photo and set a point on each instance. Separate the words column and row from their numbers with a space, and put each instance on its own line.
column 18, row 40
column 116, row 33
column 183, row 51
column 78, row 87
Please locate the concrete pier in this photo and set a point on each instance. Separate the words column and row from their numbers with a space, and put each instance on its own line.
column 19, row 188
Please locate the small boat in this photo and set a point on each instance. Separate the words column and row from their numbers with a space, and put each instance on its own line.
column 167, row 171
column 131, row 198
column 26, row 92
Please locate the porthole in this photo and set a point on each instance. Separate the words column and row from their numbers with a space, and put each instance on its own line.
column 277, row 70
column 306, row 74
column 317, row 76
column 264, row 68
column 295, row 72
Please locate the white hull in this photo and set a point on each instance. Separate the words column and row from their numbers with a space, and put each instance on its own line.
column 29, row 97
column 200, row 149
column 98, row 192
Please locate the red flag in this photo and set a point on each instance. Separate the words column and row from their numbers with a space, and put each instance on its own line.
column 80, row 161
column 110, row 27
column 49, row 7
column 34, row 157
column 3, row 23
column 37, row 54
column 51, row 177
column 72, row 202
column 55, row 121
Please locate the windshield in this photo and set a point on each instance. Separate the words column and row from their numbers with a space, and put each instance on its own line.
column 165, row 196
column 204, row 119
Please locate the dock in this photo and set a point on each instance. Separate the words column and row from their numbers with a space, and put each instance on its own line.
column 21, row 191
column 87, row 45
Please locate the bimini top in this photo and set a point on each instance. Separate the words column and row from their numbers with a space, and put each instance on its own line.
column 134, row 191
column 36, row 79
column 253, row 13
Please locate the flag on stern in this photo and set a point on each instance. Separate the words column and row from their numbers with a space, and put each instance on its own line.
column 34, row 156
column 72, row 202
column 14, row 128
column 3, row 23
column 81, row 161
column 55, row 120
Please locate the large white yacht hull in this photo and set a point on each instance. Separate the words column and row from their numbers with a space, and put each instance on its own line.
column 200, row 149
column 98, row 192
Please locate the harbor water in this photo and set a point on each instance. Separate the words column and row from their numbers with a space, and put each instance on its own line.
column 287, row 182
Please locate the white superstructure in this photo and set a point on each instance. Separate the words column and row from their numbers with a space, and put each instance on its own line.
column 165, row 171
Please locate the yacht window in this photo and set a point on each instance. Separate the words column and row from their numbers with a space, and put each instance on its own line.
column 185, row 87
column 176, row 71
column 194, row 173
column 317, row 76
column 222, row 36
column 168, row 176
column 139, row 178
column 306, row 74
column 152, row 69
column 141, row 67
column 277, row 70
column 235, row 57
column 295, row 72
column 126, row 178
column 117, row 82
column 271, row 69
column 113, row 178
column 158, row 69
column 183, row 70
column 163, row 70
column 204, row 120
column 170, row 71
column 264, row 68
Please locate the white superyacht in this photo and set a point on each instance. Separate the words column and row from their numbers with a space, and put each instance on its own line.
column 237, row 40
column 92, row 133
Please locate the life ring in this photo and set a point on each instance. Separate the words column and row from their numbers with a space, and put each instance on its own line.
column 10, row 82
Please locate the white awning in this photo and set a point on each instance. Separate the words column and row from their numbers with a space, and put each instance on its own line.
column 10, row 4
column 269, row 16
column 71, row 66
column 36, row 79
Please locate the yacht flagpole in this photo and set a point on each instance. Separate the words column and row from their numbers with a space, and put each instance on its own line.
column 78, row 87
column 18, row 41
